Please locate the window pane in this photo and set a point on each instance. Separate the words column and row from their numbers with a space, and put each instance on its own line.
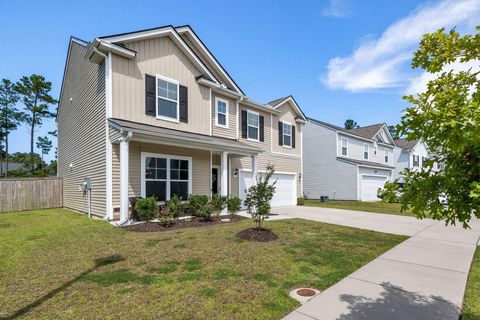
column 183, row 174
column 253, row 133
column 172, row 87
column 149, row 173
column 287, row 129
column 252, row 119
column 180, row 189
column 167, row 108
column 161, row 163
column 344, row 151
column 286, row 140
column 172, row 95
column 163, row 93
column 222, row 119
column 149, row 162
column 161, row 174
column 174, row 174
column 221, row 107
column 184, row 164
column 162, row 84
column 174, row 164
column 157, row 189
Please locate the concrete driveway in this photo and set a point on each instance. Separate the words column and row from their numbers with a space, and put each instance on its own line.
column 422, row 278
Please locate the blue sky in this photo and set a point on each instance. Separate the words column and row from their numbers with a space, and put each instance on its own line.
column 339, row 58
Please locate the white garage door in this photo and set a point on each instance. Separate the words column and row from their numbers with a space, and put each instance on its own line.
column 285, row 193
column 370, row 186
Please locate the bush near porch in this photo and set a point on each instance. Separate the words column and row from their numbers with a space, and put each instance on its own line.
column 59, row 264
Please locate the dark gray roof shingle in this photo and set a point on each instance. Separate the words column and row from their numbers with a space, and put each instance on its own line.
column 406, row 144
column 368, row 132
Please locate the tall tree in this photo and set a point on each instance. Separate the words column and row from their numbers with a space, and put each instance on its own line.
column 35, row 94
column 447, row 117
column 351, row 124
column 10, row 117
column 45, row 145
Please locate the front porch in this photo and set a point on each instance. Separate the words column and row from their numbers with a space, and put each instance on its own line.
column 149, row 160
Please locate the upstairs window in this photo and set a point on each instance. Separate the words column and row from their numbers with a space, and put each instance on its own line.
column 365, row 151
column 167, row 99
column 386, row 156
column 252, row 125
column 287, row 134
column 221, row 112
column 424, row 159
column 344, row 142
column 416, row 160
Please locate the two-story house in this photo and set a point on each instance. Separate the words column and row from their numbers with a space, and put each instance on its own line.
column 410, row 154
column 153, row 112
column 346, row 164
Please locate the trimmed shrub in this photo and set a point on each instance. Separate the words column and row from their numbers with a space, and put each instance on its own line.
column 175, row 206
column 146, row 208
column 218, row 203
column 166, row 217
column 233, row 204
column 300, row 201
column 197, row 204
column 205, row 212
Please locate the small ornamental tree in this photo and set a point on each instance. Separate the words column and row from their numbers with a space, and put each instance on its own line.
column 447, row 118
column 259, row 196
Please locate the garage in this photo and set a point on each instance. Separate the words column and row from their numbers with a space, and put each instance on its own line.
column 285, row 194
column 369, row 187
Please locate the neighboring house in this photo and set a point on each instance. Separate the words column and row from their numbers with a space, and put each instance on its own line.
column 153, row 112
column 346, row 164
column 409, row 154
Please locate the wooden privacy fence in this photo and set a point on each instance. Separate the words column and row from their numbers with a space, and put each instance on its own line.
column 20, row 194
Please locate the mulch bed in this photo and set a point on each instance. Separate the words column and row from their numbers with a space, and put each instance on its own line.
column 258, row 235
column 180, row 224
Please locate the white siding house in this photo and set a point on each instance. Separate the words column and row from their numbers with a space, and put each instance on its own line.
column 346, row 164
column 409, row 154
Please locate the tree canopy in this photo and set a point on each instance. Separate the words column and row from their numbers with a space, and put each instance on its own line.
column 447, row 118
column 350, row 124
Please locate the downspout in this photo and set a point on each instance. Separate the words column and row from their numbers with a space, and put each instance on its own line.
column 237, row 106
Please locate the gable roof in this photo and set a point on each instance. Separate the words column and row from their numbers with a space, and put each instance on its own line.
column 406, row 144
column 367, row 132
column 277, row 102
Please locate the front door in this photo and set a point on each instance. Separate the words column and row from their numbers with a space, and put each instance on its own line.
column 214, row 180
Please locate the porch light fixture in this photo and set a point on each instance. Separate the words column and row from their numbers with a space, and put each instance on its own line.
column 235, row 172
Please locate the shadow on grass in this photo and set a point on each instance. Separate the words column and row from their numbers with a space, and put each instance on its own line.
column 98, row 263
column 396, row 304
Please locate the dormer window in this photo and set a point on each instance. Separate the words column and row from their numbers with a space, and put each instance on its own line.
column 365, row 151
column 221, row 112
column 344, row 142
column 167, row 99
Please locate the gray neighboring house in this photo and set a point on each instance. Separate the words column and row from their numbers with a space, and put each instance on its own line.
column 346, row 164
column 412, row 155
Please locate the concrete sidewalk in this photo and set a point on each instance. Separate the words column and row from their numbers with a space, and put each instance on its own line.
column 422, row 278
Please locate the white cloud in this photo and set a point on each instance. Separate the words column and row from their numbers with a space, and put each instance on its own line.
column 385, row 62
column 337, row 9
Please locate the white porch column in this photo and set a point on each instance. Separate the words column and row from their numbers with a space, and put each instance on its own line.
column 124, row 153
column 254, row 168
column 224, row 173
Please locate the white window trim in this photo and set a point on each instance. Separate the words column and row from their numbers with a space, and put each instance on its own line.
column 341, row 147
column 366, row 148
column 258, row 127
column 217, row 100
column 283, row 134
column 386, row 154
column 168, row 180
column 160, row 117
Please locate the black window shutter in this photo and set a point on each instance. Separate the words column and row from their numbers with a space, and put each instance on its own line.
column 150, row 98
column 244, row 124
column 262, row 125
column 280, row 133
column 183, row 104
column 293, row 136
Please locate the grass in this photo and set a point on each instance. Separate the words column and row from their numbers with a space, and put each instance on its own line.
column 471, row 303
column 58, row 264
column 378, row 207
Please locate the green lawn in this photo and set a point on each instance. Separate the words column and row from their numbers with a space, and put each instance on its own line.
column 59, row 264
column 471, row 303
column 379, row 207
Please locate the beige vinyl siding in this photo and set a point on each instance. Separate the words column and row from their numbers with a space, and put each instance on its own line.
column 200, row 167
column 82, row 132
column 286, row 115
column 282, row 163
column 159, row 56
column 230, row 132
